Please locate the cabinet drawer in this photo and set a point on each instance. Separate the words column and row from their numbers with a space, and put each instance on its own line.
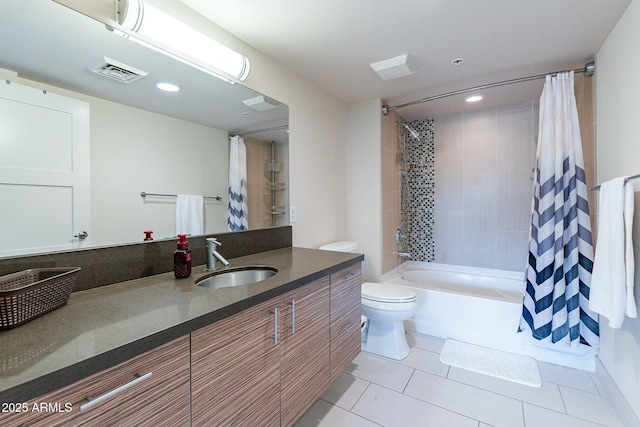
column 345, row 341
column 149, row 390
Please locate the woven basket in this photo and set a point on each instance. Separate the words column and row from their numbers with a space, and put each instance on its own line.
column 31, row 293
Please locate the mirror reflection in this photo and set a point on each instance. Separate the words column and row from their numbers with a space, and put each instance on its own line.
column 78, row 147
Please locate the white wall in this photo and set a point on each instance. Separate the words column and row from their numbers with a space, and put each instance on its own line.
column 364, row 184
column 618, row 153
column 133, row 150
column 317, row 128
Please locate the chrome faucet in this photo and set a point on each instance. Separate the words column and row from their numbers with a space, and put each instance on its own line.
column 213, row 256
column 404, row 255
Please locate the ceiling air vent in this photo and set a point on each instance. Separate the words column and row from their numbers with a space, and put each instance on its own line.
column 118, row 71
column 261, row 103
column 392, row 68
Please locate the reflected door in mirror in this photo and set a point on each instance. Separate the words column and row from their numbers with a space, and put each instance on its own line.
column 44, row 171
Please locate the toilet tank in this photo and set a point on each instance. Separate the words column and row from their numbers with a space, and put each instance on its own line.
column 340, row 246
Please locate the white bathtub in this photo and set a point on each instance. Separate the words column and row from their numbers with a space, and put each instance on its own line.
column 479, row 306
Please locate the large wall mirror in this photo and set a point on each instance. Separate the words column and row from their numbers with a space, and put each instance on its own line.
column 140, row 139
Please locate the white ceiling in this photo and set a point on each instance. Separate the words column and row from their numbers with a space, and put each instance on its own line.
column 329, row 42
column 332, row 43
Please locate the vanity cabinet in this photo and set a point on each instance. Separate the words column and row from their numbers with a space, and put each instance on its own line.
column 305, row 353
column 235, row 369
column 244, row 374
column 151, row 389
column 345, row 318
column 264, row 366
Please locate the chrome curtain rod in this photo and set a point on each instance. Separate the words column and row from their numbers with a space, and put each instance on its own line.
column 264, row 130
column 143, row 194
column 627, row 179
column 588, row 71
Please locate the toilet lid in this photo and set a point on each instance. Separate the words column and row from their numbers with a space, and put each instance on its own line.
column 387, row 293
column 340, row 246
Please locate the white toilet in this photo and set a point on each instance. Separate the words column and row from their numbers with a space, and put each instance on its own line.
column 386, row 307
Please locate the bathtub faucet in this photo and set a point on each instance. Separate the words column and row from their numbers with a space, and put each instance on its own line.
column 405, row 255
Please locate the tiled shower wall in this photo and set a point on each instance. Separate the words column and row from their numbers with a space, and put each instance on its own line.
column 417, row 188
column 390, row 190
column 483, row 185
column 484, row 162
column 483, row 181
column 407, row 189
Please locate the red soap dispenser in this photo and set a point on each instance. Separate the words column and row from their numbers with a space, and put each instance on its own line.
column 182, row 258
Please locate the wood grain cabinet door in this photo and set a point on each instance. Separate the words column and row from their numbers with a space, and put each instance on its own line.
column 149, row 390
column 305, row 358
column 235, row 368
column 345, row 318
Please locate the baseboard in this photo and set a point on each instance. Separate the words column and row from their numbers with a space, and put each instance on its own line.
column 618, row 401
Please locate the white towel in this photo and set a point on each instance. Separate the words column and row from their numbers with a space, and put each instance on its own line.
column 612, row 279
column 189, row 215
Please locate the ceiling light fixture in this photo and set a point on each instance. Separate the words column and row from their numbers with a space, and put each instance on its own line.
column 154, row 28
column 168, row 87
column 474, row 98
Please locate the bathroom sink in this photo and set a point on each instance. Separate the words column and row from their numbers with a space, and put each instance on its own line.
column 238, row 276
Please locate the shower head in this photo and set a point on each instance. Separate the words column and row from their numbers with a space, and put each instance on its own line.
column 413, row 132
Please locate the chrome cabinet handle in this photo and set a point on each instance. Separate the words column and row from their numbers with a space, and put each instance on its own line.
column 93, row 401
column 348, row 327
column 350, row 276
column 293, row 316
column 275, row 326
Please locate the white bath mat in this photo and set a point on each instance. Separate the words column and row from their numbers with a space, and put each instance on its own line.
column 496, row 363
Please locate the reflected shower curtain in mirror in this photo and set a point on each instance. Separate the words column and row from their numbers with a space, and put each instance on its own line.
column 555, row 305
column 238, row 218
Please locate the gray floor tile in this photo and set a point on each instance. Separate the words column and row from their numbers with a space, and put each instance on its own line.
column 392, row 409
column 380, row 371
column 345, row 391
column 473, row 402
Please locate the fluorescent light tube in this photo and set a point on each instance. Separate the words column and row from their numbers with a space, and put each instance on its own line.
column 156, row 25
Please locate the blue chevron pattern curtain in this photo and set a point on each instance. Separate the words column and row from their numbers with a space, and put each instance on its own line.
column 238, row 218
column 558, row 276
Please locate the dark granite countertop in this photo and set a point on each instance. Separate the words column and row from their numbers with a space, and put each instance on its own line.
column 102, row 327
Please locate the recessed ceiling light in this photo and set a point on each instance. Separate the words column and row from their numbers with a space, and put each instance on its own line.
column 474, row 98
column 167, row 87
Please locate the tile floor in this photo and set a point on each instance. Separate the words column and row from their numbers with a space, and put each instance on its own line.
column 421, row 391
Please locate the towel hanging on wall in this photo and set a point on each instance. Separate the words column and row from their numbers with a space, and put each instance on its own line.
column 613, row 268
column 238, row 218
column 189, row 215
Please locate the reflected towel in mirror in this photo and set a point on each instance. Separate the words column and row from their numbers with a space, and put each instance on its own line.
column 189, row 215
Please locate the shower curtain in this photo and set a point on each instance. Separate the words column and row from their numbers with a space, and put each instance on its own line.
column 558, row 275
column 238, row 218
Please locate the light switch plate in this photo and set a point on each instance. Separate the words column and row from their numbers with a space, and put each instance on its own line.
column 292, row 214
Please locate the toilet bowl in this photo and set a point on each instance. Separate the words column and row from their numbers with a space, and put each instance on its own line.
column 386, row 307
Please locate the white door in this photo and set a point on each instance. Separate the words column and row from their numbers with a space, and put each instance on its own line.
column 44, row 171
